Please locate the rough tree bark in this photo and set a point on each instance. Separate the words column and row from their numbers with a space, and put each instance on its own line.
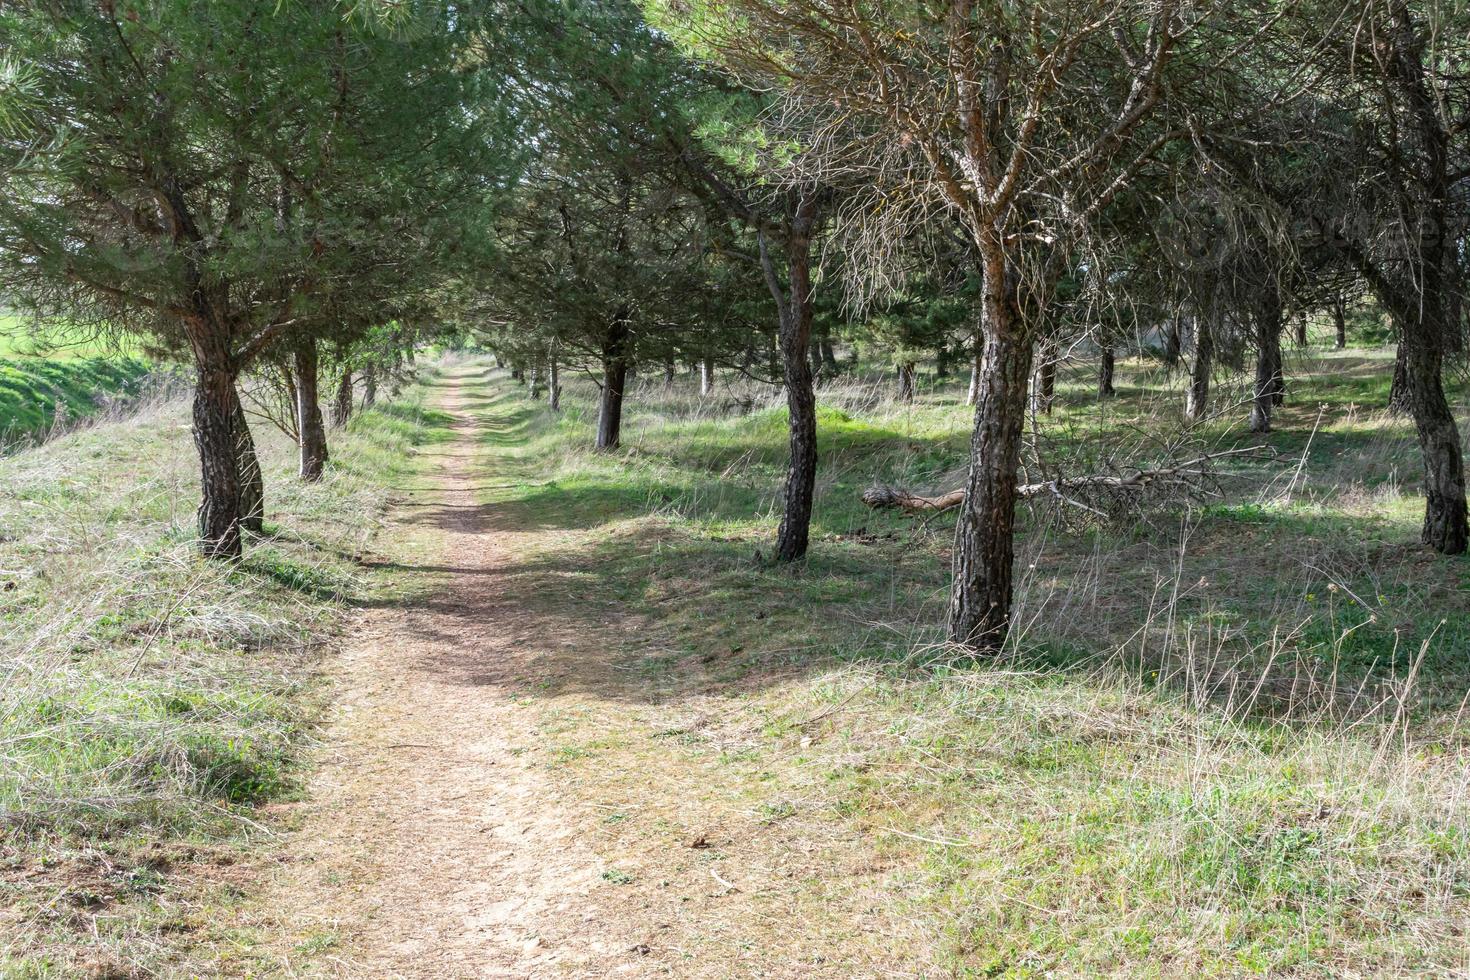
column 1173, row 343
column 614, row 381
column 1197, row 396
column 1044, row 389
column 1269, row 384
column 216, row 407
column 554, row 379
column 342, row 402
column 311, row 429
column 794, row 303
column 984, row 549
column 1445, row 528
column 1105, row 370
column 247, row 465
column 1399, row 399
column 369, row 385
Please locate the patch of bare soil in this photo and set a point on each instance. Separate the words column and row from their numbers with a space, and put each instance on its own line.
column 501, row 796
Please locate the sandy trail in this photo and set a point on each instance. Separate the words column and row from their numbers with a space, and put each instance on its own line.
column 434, row 847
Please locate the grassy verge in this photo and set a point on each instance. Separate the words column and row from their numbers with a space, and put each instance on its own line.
column 37, row 393
column 150, row 702
column 1229, row 738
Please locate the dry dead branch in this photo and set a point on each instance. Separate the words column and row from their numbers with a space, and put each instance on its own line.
column 1103, row 495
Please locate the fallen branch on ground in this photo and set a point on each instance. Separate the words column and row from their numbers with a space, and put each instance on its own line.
column 1099, row 494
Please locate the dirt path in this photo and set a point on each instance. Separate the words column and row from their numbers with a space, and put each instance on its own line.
column 432, row 850
column 440, row 839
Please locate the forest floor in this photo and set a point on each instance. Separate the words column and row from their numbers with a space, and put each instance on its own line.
column 438, row 840
column 484, row 702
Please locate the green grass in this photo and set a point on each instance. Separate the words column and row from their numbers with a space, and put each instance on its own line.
column 21, row 337
column 37, row 392
column 1227, row 738
column 152, row 700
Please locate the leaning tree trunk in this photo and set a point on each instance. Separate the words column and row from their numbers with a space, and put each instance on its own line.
column 1105, row 370
column 906, row 372
column 216, row 405
column 614, row 381
column 1269, row 386
column 984, row 548
column 795, row 307
column 342, row 403
column 247, row 465
column 311, row 430
column 1197, row 396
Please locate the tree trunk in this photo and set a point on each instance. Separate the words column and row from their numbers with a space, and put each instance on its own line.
column 311, row 430
column 536, row 381
column 614, row 381
column 1044, row 391
column 906, row 381
column 1445, row 524
column 668, row 370
column 554, row 373
column 369, row 385
column 216, row 405
column 247, row 465
column 984, row 549
column 1301, row 330
column 974, row 392
column 1105, row 369
column 795, row 306
column 1339, row 321
column 706, row 377
column 829, row 353
column 342, row 404
column 1173, row 343
column 1269, row 385
column 1197, row 397
column 1399, row 399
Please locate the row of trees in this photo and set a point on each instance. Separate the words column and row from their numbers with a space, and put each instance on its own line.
column 733, row 184
column 244, row 186
column 1033, row 177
